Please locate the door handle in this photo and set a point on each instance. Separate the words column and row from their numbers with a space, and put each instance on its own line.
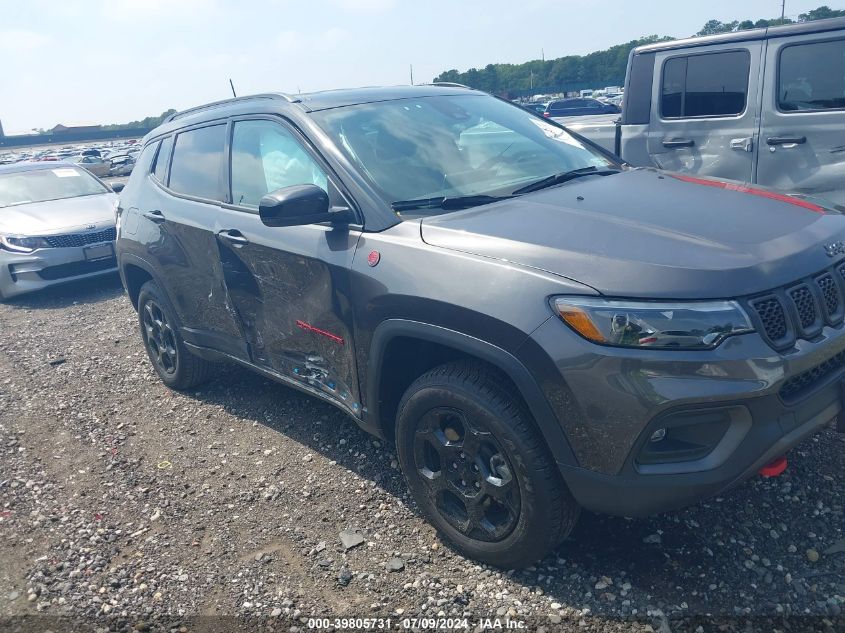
column 234, row 237
column 745, row 144
column 678, row 142
column 154, row 216
column 786, row 140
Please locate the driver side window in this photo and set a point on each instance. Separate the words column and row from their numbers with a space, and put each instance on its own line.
column 266, row 157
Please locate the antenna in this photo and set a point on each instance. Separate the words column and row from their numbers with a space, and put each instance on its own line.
column 232, row 86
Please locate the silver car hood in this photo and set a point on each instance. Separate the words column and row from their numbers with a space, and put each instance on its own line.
column 577, row 122
column 59, row 216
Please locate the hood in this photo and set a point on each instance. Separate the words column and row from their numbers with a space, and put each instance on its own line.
column 58, row 216
column 644, row 233
column 578, row 122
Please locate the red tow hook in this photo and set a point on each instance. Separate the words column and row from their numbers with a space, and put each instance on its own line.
column 774, row 468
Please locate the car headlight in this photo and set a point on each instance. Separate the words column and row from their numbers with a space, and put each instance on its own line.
column 23, row 244
column 652, row 325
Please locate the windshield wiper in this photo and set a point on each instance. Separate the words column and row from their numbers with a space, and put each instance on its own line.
column 445, row 202
column 557, row 179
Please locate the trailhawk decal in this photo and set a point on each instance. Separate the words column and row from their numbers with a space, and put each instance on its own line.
column 731, row 186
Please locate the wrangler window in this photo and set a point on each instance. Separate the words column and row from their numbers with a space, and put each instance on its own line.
column 710, row 85
column 812, row 77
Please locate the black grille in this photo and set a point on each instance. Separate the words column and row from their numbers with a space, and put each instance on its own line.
column 772, row 316
column 74, row 269
column 805, row 381
column 830, row 292
column 81, row 239
column 805, row 305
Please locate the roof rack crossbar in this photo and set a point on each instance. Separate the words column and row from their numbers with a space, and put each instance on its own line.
column 225, row 102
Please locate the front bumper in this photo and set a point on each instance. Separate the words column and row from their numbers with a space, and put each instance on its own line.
column 27, row 272
column 611, row 401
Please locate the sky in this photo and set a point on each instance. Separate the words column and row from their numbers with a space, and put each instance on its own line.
column 113, row 61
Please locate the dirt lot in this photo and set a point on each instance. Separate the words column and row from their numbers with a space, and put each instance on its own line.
column 122, row 501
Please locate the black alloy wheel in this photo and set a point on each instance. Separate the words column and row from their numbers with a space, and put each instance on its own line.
column 160, row 338
column 177, row 367
column 468, row 474
column 478, row 467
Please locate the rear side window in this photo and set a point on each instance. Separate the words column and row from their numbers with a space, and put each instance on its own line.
column 812, row 77
column 638, row 92
column 162, row 157
column 711, row 85
column 197, row 161
column 562, row 107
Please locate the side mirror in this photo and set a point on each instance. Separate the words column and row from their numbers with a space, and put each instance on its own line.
column 298, row 205
column 117, row 187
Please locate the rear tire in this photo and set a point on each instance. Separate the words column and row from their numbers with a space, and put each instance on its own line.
column 478, row 468
column 177, row 367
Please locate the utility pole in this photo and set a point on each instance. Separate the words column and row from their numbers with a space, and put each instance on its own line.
column 782, row 11
column 412, row 74
column 543, row 54
column 532, row 80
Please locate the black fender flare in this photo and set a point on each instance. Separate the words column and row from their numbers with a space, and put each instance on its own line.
column 128, row 259
column 530, row 391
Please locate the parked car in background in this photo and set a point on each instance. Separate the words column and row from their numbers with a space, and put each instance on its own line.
column 538, row 327
column 578, row 107
column 536, row 108
column 763, row 106
column 121, row 164
column 57, row 223
column 94, row 164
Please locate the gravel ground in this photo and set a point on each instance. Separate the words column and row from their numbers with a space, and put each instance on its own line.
column 124, row 502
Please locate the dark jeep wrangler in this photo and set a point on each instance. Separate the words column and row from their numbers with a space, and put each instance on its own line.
column 539, row 327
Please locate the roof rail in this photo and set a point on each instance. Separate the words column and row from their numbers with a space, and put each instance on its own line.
column 448, row 84
column 225, row 102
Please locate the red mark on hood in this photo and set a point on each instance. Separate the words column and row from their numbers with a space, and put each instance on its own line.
column 731, row 186
column 310, row 328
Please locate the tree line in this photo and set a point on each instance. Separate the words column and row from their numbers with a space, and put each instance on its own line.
column 595, row 70
column 146, row 123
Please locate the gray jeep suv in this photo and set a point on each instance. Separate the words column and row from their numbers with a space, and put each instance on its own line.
column 538, row 327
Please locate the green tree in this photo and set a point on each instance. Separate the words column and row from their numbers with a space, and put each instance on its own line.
column 714, row 27
column 147, row 122
column 600, row 68
column 822, row 13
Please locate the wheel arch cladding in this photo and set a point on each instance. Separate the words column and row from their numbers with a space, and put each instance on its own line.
column 134, row 277
column 402, row 350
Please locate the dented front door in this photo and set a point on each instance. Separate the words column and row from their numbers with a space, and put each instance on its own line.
column 288, row 288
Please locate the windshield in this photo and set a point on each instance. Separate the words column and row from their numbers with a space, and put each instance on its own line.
column 453, row 146
column 40, row 185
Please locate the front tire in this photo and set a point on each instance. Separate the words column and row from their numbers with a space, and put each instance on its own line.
column 479, row 470
column 177, row 367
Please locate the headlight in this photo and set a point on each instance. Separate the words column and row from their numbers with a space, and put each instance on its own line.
column 646, row 324
column 23, row 244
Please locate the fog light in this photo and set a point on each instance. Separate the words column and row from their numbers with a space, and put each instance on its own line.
column 684, row 436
